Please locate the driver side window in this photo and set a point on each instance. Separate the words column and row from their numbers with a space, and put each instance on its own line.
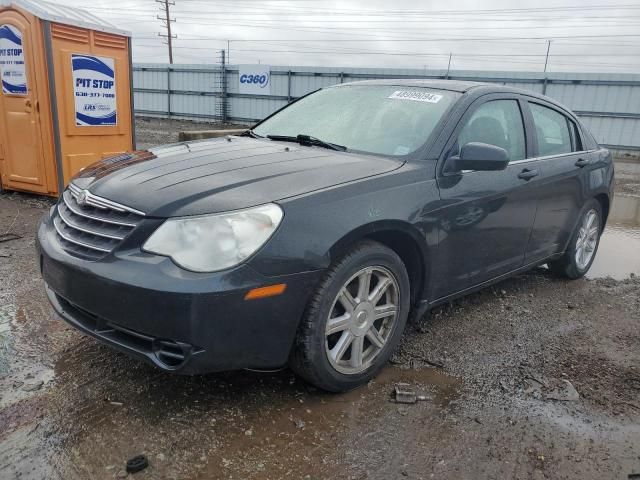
column 498, row 123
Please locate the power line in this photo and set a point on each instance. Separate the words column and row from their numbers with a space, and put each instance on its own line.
column 423, row 54
column 251, row 8
column 432, row 39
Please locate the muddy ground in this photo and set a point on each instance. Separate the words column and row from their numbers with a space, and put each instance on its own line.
column 536, row 378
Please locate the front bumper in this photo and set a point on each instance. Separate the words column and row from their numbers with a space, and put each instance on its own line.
column 181, row 321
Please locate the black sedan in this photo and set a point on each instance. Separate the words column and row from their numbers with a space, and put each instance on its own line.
column 311, row 238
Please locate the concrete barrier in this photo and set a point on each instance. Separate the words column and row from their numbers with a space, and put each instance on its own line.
column 202, row 134
column 625, row 155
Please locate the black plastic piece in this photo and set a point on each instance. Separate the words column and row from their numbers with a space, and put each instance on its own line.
column 137, row 464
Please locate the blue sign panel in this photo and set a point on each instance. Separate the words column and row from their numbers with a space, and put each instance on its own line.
column 94, row 86
column 12, row 68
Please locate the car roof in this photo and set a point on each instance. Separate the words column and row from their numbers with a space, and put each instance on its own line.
column 477, row 88
column 453, row 85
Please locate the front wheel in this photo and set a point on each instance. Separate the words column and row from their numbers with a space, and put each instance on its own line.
column 354, row 320
column 583, row 246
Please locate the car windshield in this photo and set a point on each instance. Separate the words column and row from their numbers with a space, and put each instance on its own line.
column 386, row 120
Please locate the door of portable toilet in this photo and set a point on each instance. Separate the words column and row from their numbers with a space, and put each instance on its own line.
column 66, row 98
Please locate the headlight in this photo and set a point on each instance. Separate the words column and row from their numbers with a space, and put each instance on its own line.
column 215, row 242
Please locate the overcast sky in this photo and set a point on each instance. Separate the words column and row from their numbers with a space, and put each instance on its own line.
column 586, row 35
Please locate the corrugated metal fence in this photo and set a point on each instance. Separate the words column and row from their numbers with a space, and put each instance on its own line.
column 608, row 104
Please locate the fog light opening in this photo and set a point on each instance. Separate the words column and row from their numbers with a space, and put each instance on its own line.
column 171, row 354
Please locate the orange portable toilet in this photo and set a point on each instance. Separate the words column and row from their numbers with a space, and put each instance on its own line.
column 66, row 98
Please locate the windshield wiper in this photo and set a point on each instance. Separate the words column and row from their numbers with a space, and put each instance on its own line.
column 252, row 134
column 308, row 141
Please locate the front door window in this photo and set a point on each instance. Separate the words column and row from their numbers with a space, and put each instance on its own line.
column 498, row 123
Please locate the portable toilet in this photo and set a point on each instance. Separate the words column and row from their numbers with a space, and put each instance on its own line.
column 66, row 98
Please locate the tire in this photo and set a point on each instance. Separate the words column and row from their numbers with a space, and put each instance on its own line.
column 568, row 266
column 326, row 358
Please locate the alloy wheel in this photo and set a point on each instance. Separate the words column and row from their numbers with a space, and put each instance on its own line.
column 587, row 239
column 361, row 319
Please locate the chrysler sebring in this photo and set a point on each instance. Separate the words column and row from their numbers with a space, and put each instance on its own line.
column 311, row 238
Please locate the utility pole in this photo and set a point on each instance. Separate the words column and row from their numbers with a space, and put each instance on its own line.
column 546, row 59
column 223, row 104
column 449, row 66
column 167, row 20
column 228, row 52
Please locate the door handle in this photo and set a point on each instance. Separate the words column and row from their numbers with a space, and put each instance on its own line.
column 582, row 162
column 527, row 174
column 27, row 105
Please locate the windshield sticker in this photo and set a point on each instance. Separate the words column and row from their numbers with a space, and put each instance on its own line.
column 416, row 96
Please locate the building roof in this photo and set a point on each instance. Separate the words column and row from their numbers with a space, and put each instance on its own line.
column 76, row 17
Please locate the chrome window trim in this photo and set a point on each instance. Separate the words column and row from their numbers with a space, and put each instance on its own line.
column 549, row 157
column 100, row 202
column 525, row 160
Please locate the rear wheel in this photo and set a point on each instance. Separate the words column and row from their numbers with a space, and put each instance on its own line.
column 583, row 246
column 354, row 320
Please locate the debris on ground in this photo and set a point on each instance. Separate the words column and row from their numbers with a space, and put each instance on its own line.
column 7, row 237
column 137, row 464
column 404, row 393
column 566, row 392
column 32, row 386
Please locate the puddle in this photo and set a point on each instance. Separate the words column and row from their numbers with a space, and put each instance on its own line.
column 619, row 251
column 309, row 429
column 23, row 339
column 7, row 317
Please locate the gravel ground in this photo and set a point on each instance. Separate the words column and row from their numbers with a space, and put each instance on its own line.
column 533, row 378
column 156, row 131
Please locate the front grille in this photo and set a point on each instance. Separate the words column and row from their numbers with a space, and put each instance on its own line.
column 94, row 226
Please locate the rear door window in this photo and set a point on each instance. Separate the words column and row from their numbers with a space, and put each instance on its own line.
column 556, row 134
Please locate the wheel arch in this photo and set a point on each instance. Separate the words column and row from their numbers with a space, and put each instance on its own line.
column 404, row 240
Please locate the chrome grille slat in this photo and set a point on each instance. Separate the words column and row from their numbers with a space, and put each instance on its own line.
column 71, row 240
column 67, row 200
column 70, row 224
column 92, row 227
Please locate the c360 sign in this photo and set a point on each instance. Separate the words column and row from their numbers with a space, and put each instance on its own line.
column 261, row 80
column 254, row 79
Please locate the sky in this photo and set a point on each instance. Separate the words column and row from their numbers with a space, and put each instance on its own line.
column 584, row 35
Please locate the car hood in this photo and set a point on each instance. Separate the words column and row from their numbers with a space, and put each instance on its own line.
column 223, row 174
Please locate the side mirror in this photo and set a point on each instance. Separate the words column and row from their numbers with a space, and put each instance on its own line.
column 480, row 156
